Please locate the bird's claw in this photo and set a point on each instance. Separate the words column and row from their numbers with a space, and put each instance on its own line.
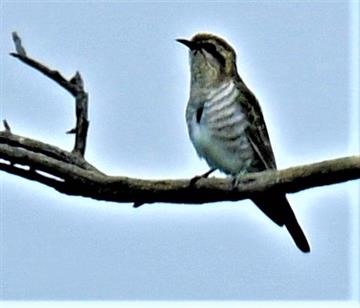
column 195, row 179
column 203, row 176
column 239, row 179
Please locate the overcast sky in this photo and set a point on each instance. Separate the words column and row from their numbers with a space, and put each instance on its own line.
column 295, row 56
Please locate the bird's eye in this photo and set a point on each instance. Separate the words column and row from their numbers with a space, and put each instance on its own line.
column 211, row 49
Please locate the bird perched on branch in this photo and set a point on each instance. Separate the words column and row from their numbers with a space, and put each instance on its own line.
column 226, row 125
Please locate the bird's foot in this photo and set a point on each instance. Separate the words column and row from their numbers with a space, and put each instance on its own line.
column 239, row 179
column 202, row 176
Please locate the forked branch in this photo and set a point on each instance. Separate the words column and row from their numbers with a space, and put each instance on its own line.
column 74, row 86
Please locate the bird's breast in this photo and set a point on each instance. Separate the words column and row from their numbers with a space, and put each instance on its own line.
column 218, row 134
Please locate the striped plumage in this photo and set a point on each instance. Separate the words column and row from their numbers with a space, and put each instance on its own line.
column 226, row 125
column 218, row 133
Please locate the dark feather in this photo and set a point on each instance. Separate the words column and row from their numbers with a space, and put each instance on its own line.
column 278, row 209
column 256, row 131
column 273, row 205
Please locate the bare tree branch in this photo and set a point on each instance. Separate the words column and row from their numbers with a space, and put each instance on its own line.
column 18, row 45
column 32, row 175
column 6, row 126
column 69, row 173
column 88, row 183
column 75, row 86
column 48, row 150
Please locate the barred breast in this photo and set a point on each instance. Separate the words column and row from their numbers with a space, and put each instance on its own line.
column 217, row 130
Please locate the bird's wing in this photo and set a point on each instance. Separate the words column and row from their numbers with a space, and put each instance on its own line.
column 256, row 131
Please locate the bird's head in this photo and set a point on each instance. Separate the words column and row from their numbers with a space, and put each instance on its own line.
column 212, row 59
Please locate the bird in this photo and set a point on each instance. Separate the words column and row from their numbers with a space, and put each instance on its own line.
column 227, row 128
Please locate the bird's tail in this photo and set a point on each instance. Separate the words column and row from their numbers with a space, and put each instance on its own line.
column 278, row 209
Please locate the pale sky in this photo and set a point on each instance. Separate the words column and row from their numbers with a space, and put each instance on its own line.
column 297, row 57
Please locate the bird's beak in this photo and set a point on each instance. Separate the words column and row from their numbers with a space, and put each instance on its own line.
column 187, row 43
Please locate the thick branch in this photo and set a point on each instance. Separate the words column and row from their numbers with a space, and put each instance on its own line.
column 48, row 150
column 86, row 183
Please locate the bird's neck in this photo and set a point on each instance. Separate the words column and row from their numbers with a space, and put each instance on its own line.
column 202, row 86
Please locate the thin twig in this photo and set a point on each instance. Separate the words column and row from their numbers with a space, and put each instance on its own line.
column 82, row 124
column 18, row 45
column 52, row 74
column 75, row 86
column 7, row 127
